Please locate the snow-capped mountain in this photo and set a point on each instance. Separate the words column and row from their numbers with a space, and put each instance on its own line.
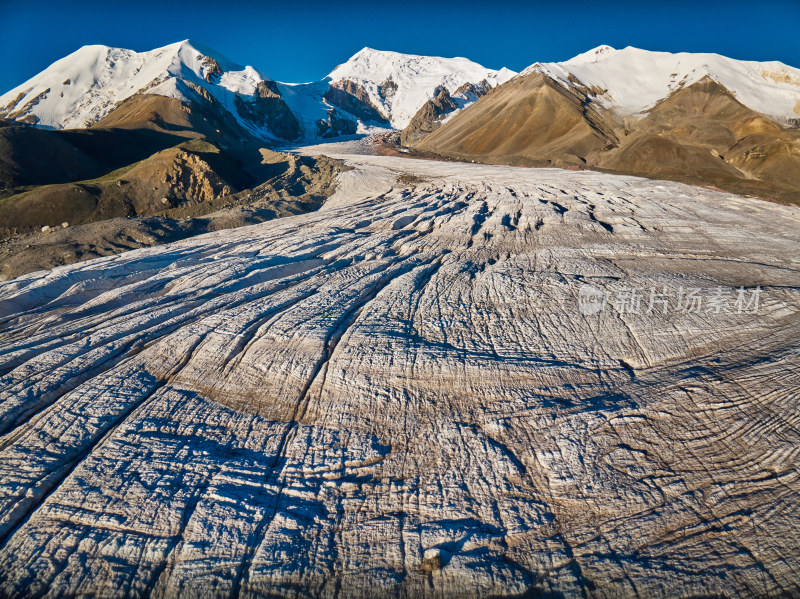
column 697, row 118
column 630, row 81
column 83, row 87
column 372, row 88
column 399, row 84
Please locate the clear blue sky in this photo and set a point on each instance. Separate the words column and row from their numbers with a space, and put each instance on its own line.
column 302, row 41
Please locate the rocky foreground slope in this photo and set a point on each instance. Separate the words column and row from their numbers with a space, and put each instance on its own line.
column 412, row 393
column 153, row 170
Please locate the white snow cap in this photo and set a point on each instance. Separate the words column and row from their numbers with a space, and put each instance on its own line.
column 416, row 78
column 80, row 89
column 635, row 80
column 84, row 86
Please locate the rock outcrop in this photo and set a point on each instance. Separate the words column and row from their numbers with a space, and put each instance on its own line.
column 334, row 125
column 434, row 112
column 353, row 98
column 268, row 109
column 429, row 117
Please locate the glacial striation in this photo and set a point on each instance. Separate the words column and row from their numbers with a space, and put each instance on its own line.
column 408, row 393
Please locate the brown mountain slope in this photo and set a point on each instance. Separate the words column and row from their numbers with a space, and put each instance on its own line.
column 712, row 139
column 708, row 115
column 776, row 160
column 665, row 158
column 30, row 156
column 701, row 134
column 203, row 117
column 150, row 111
column 295, row 185
column 530, row 120
column 159, row 167
column 192, row 172
column 705, row 114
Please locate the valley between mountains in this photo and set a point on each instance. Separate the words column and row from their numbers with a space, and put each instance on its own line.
column 128, row 149
column 399, row 395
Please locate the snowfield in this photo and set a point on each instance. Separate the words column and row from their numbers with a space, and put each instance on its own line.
column 83, row 87
column 631, row 81
column 398, row 395
column 415, row 79
column 86, row 85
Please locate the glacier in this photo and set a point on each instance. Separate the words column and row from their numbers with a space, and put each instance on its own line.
column 399, row 395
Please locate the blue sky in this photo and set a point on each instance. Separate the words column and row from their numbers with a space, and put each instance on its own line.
column 302, row 41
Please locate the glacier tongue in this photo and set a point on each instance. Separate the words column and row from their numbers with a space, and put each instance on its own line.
column 398, row 395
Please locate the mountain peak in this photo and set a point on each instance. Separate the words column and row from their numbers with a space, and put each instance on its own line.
column 190, row 46
column 366, row 50
column 81, row 88
column 85, row 86
column 413, row 79
column 632, row 80
column 593, row 55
